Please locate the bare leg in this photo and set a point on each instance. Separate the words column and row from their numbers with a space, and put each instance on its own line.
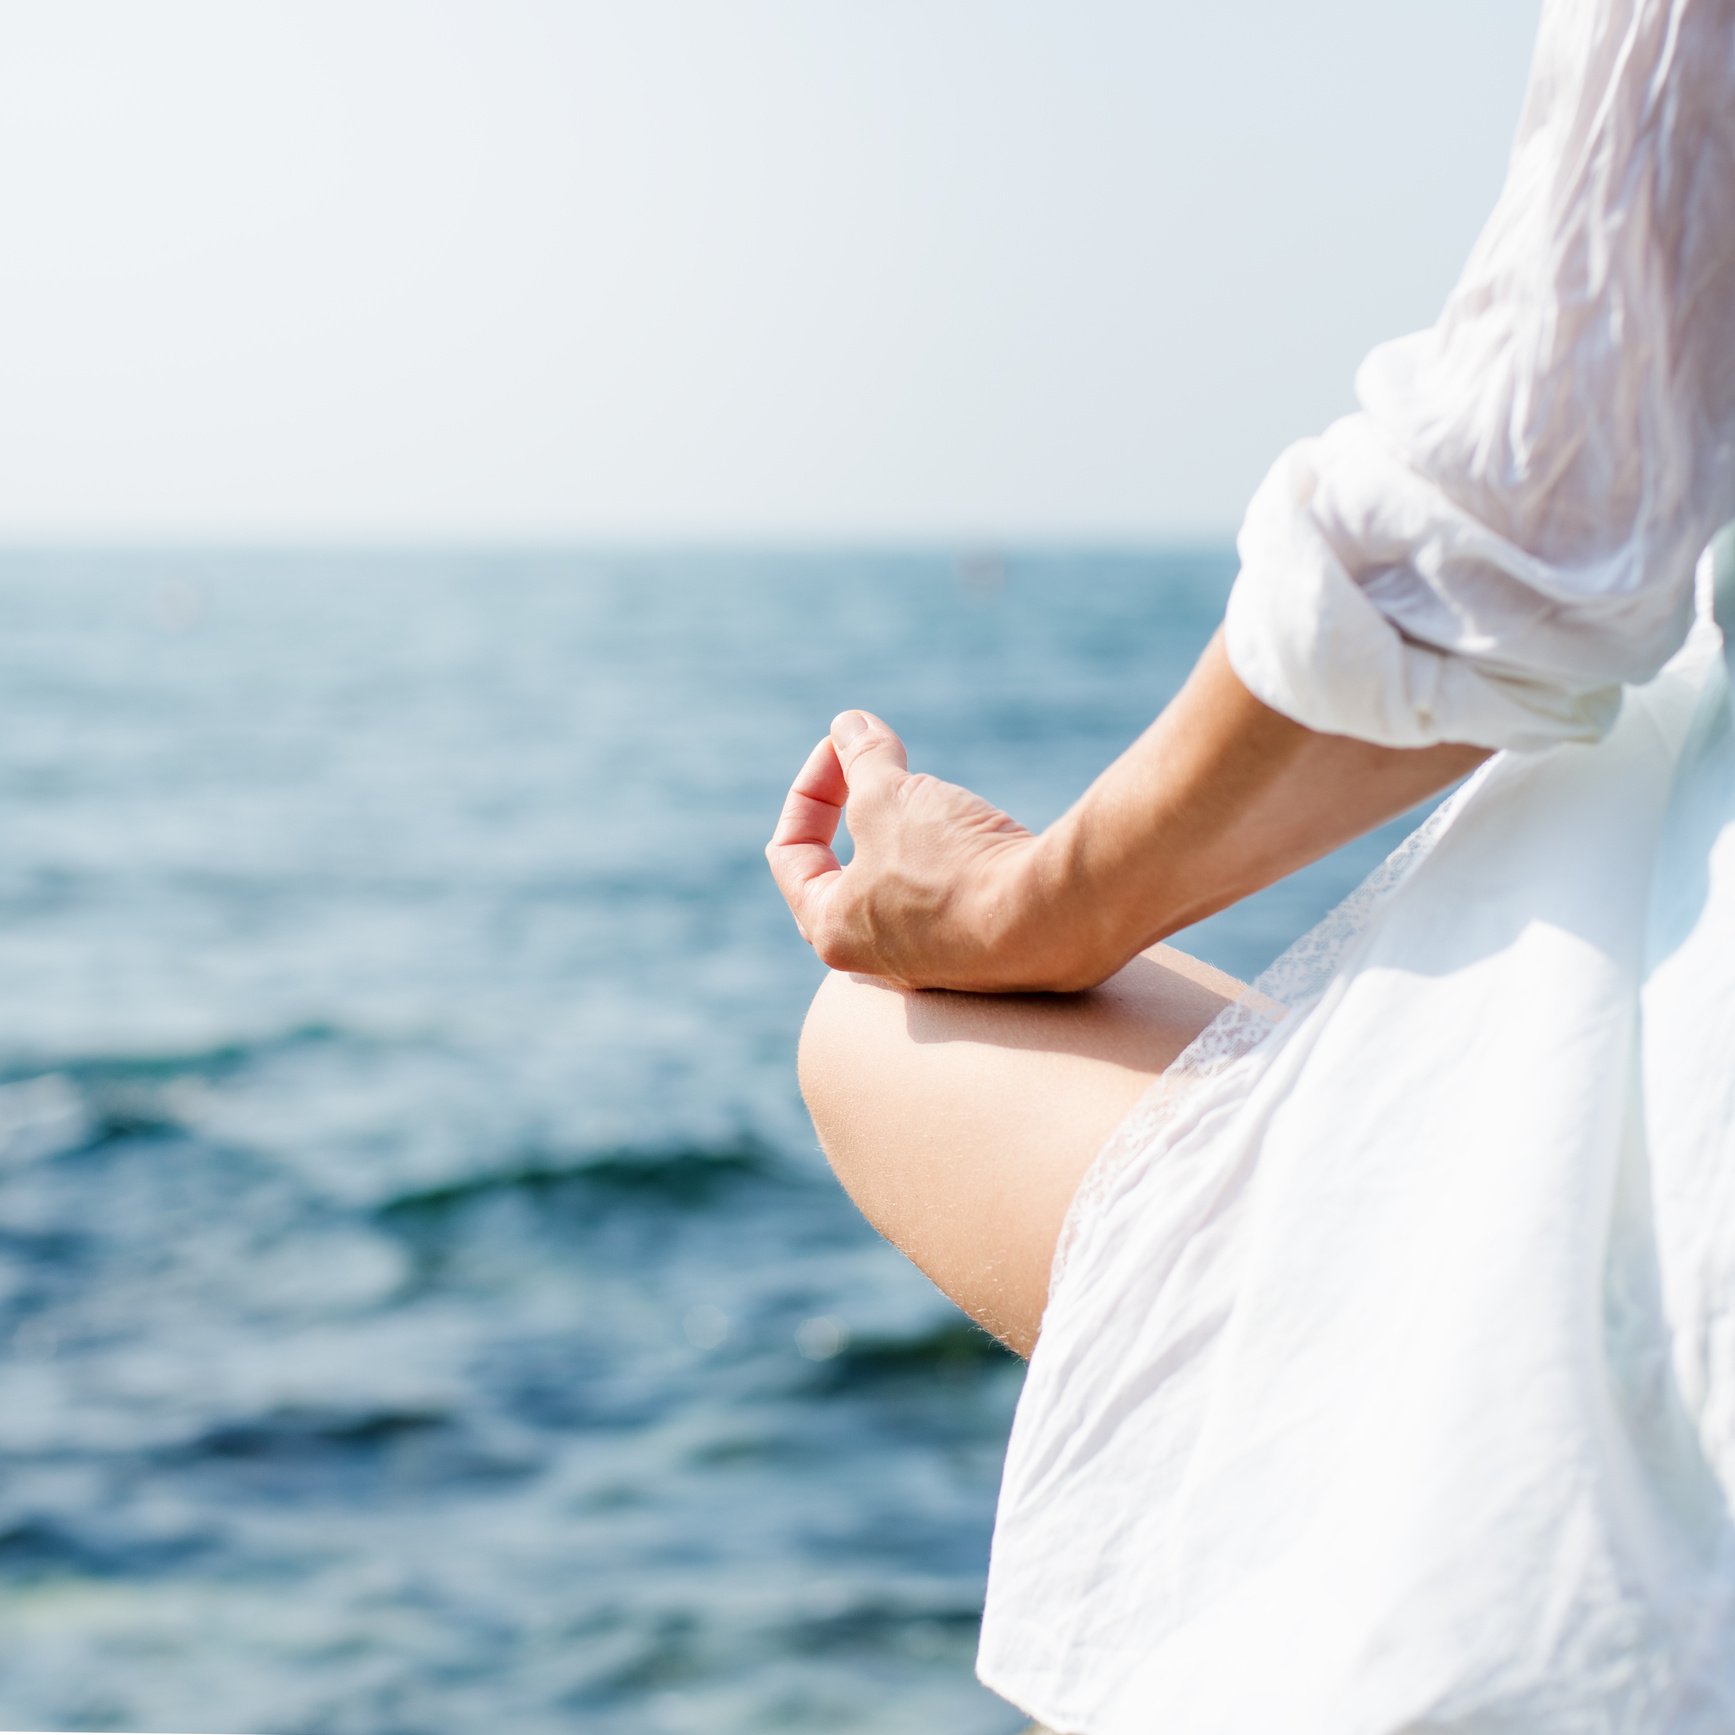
column 961, row 1124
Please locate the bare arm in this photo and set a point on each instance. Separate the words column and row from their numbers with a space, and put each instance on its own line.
column 1219, row 797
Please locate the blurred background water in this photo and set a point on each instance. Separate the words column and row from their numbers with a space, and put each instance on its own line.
column 423, row 1303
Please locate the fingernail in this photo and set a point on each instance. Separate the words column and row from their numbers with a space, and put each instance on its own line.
column 846, row 726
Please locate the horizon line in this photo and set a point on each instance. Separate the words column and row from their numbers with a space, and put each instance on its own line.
column 961, row 545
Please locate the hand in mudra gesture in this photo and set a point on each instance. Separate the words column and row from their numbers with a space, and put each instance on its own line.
column 938, row 892
column 1220, row 796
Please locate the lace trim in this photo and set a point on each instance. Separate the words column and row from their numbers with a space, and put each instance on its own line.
column 1298, row 977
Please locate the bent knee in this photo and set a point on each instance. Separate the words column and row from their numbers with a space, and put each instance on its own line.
column 844, row 1043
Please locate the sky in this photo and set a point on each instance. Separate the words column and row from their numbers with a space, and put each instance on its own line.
column 747, row 271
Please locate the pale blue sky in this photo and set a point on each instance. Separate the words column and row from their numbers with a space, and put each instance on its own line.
column 973, row 270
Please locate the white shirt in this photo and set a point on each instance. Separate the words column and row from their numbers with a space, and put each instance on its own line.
column 1505, row 533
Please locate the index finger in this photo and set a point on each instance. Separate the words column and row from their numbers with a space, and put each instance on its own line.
column 802, row 860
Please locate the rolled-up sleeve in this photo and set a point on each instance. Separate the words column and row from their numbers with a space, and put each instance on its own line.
column 1503, row 536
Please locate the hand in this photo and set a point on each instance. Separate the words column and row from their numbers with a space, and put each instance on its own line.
column 943, row 889
column 1220, row 796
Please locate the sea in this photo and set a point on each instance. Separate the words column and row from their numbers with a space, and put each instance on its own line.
column 424, row 1308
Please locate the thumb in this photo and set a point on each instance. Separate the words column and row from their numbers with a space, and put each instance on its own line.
column 868, row 750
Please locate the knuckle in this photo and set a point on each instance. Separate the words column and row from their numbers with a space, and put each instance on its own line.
column 832, row 943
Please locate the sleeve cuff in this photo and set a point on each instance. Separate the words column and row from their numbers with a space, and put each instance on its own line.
column 1306, row 639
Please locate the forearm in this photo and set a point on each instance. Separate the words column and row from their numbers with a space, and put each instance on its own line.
column 1218, row 798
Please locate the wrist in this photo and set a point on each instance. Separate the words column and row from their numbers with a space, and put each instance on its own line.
column 1103, row 904
column 1059, row 932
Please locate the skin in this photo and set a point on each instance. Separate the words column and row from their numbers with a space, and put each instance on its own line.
column 961, row 1124
column 962, row 1121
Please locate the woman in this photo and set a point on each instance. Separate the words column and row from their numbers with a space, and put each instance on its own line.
column 1382, row 1317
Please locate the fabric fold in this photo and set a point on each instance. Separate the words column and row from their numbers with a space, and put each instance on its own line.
column 1499, row 539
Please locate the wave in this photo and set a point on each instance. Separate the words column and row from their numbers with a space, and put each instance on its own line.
column 201, row 1060
column 685, row 1175
column 878, row 1615
column 952, row 1347
column 294, row 1430
column 81, row 1103
column 52, row 1116
column 43, row 1546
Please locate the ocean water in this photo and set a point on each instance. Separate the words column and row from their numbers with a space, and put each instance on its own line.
column 422, row 1303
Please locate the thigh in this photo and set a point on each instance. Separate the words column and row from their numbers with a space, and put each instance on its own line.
column 961, row 1124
